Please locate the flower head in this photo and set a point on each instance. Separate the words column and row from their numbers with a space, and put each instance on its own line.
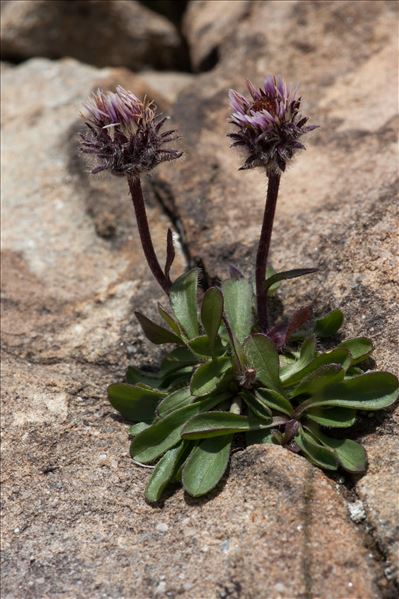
column 269, row 124
column 124, row 133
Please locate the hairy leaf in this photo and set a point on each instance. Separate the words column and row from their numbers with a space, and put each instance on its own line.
column 316, row 453
column 164, row 472
column 275, row 400
column 336, row 356
column 211, row 314
column 208, row 376
column 332, row 417
column 360, row 348
column 307, row 354
column 238, row 299
column 134, row 403
column 174, row 401
column 165, row 433
column 351, row 455
column 258, row 405
column 329, row 325
column 214, row 424
column 170, row 321
column 262, row 355
column 183, row 298
column 206, row 465
column 370, row 391
column 155, row 333
column 288, row 274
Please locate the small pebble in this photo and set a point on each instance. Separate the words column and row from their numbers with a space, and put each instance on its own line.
column 356, row 511
column 162, row 527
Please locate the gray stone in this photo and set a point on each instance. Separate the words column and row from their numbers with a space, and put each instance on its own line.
column 112, row 33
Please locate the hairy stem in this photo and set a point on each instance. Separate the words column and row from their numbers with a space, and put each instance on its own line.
column 263, row 250
column 145, row 235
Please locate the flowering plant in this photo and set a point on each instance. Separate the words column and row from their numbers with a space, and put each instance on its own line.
column 233, row 378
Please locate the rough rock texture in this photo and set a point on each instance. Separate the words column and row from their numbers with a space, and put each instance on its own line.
column 206, row 24
column 74, row 520
column 116, row 32
column 338, row 200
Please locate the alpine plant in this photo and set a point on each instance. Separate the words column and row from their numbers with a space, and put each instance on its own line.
column 230, row 377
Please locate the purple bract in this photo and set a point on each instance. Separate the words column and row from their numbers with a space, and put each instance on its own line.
column 124, row 133
column 269, row 124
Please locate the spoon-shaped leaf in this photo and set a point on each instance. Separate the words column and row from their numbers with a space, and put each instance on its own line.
column 332, row 417
column 238, row 300
column 352, row 455
column 329, row 325
column 214, row 424
column 370, row 391
column 134, row 403
column 183, row 298
column 360, row 348
column 174, row 401
column 154, row 332
column 262, row 355
column 208, row 376
column 164, row 472
column 211, row 313
column 316, row 452
column 150, row 444
column 206, row 465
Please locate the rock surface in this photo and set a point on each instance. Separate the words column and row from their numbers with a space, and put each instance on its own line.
column 74, row 520
column 112, row 33
column 338, row 200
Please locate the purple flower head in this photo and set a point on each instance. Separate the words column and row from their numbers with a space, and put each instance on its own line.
column 124, row 133
column 269, row 124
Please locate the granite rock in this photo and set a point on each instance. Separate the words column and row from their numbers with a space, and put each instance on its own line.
column 112, row 33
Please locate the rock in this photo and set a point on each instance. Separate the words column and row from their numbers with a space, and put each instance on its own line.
column 206, row 24
column 338, row 202
column 171, row 83
column 112, row 33
column 379, row 489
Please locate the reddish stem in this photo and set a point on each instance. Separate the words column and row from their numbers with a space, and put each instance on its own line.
column 145, row 235
column 263, row 250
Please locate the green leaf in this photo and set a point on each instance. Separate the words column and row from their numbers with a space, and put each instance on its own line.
column 165, row 433
column 176, row 359
column 351, row 455
column 317, row 380
column 175, row 401
column 238, row 299
column 214, row 424
column 135, row 429
column 329, row 325
column 164, row 472
column 183, row 298
column 211, row 314
column 202, row 346
column 275, row 400
column 155, row 333
column 306, row 355
column 360, row 348
column 258, row 405
column 315, row 452
column 206, row 465
column 134, row 403
column 135, row 375
column 208, row 376
column 262, row 355
column 288, row 274
column 336, row 356
column 370, row 391
column 170, row 321
column 258, row 437
column 332, row 417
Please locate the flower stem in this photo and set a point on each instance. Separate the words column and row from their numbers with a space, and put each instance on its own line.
column 145, row 235
column 263, row 250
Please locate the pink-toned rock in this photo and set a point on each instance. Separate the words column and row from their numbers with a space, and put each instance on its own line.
column 112, row 33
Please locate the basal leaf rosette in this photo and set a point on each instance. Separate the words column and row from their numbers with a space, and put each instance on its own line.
column 225, row 384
